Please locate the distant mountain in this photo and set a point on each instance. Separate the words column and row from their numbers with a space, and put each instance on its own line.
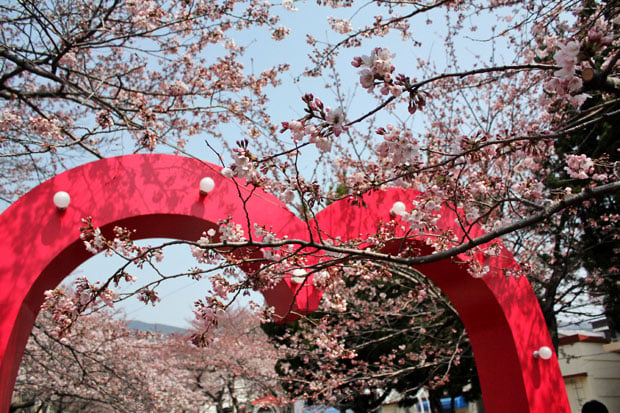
column 155, row 328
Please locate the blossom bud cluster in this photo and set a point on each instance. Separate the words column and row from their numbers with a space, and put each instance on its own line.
column 243, row 164
column 280, row 32
column 104, row 119
column 331, row 121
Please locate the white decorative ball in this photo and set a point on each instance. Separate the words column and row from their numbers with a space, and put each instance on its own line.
column 399, row 208
column 545, row 353
column 206, row 185
column 62, row 200
column 298, row 275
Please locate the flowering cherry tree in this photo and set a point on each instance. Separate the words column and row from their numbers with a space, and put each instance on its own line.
column 104, row 366
column 238, row 365
column 425, row 95
column 89, row 369
column 378, row 330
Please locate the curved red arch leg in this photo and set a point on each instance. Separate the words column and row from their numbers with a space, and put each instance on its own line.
column 500, row 313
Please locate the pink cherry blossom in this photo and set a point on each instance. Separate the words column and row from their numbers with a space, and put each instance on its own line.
column 567, row 57
column 579, row 166
column 336, row 119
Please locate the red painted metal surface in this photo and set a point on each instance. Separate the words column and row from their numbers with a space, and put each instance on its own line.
column 158, row 196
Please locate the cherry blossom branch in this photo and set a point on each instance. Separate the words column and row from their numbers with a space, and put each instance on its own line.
column 417, row 85
column 547, row 212
column 372, row 29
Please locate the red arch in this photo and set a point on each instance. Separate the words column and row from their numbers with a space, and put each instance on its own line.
column 158, row 196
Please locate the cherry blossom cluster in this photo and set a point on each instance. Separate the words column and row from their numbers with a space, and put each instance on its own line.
column 144, row 13
column 206, row 314
column 93, row 240
column 577, row 55
column 121, row 245
column 46, row 127
column 65, row 305
column 244, row 163
column 271, row 253
column 332, row 348
column 200, row 252
column 178, row 88
column 280, row 32
column 580, row 167
column 287, row 265
column 8, row 119
column 229, row 231
column 62, row 308
column 423, row 215
column 475, row 268
column 566, row 83
column 208, row 310
column 104, row 119
column 398, row 147
column 148, row 296
column 377, row 69
column 289, row 5
column 342, row 26
column 567, row 58
column 322, row 279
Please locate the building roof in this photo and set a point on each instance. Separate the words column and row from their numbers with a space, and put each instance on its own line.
column 581, row 338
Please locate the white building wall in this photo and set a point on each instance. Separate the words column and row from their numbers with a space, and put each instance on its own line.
column 590, row 372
